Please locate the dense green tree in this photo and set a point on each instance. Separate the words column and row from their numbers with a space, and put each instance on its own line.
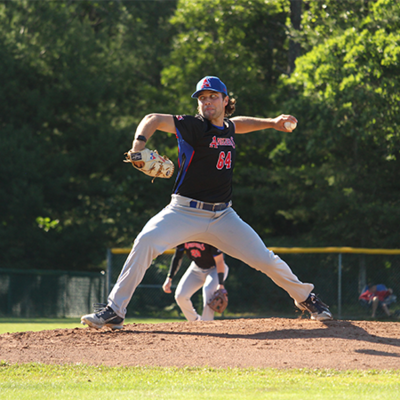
column 325, row 19
column 344, row 156
column 76, row 78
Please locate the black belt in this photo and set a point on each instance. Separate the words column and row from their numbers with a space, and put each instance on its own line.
column 209, row 206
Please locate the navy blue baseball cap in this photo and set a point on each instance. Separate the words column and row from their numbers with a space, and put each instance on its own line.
column 212, row 83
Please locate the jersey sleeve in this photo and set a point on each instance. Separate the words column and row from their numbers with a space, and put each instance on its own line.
column 215, row 252
column 176, row 261
column 189, row 128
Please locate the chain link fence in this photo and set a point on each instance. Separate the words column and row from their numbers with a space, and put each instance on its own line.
column 50, row 294
column 338, row 278
column 338, row 274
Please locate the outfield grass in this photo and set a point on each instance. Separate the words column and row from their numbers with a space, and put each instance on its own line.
column 38, row 381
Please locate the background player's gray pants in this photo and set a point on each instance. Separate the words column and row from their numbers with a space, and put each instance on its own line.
column 192, row 280
column 178, row 223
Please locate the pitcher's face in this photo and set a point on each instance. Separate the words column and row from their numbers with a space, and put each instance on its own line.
column 211, row 105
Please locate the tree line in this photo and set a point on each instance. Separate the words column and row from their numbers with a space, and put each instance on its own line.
column 77, row 77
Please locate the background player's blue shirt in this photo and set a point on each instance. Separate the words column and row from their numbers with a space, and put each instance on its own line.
column 206, row 159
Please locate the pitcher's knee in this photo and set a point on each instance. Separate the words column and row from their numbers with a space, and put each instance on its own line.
column 145, row 239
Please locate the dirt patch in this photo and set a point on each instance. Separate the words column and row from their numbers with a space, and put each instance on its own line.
column 269, row 342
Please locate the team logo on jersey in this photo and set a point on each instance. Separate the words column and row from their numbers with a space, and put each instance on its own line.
column 206, row 84
column 179, row 117
column 222, row 142
column 195, row 245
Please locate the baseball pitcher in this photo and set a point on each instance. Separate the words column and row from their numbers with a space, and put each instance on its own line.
column 201, row 204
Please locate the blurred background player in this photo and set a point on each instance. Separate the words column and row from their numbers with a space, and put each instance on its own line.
column 377, row 297
column 207, row 270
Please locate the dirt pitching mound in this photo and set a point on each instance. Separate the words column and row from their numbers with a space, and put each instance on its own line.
column 268, row 342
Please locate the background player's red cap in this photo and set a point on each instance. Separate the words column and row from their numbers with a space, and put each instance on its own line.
column 212, row 83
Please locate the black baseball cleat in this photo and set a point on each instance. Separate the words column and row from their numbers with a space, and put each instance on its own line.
column 105, row 317
column 319, row 311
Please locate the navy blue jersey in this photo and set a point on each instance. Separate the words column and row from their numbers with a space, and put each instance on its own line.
column 206, row 159
column 202, row 254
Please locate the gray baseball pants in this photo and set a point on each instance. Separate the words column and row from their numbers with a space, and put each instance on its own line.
column 192, row 280
column 179, row 223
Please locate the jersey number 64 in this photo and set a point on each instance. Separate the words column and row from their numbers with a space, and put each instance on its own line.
column 224, row 160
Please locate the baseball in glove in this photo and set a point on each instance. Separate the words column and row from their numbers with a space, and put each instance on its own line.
column 150, row 163
column 219, row 301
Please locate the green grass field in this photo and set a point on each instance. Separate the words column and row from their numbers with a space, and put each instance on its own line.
column 38, row 381
column 78, row 381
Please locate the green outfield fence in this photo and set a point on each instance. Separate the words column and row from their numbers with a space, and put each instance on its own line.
column 44, row 293
column 338, row 273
